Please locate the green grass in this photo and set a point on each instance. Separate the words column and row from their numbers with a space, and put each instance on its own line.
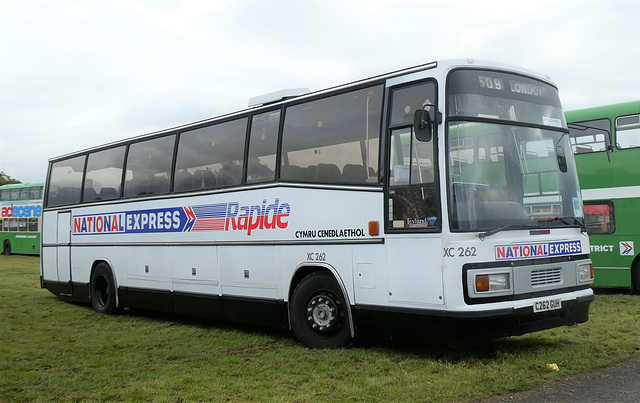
column 53, row 350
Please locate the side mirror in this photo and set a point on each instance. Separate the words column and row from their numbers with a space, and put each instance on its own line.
column 422, row 125
column 425, row 121
column 562, row 159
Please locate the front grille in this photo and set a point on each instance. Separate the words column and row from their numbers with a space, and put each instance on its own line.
column 546, row 276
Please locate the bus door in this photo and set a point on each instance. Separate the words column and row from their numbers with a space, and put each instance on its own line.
column 64, row 247
column 414, row 238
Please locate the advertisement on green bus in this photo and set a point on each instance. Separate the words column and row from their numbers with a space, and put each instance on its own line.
column 20, row 212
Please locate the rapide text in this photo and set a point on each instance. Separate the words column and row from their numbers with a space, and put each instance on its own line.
column 230, row 216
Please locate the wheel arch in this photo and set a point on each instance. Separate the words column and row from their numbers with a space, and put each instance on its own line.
column 107, row 262
column 635, row 274
column 303, row 270
column 6, row 242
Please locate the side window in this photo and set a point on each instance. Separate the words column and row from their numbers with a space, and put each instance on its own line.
column 149, row 167
column 413, row 190
column 211, row 156
column 590, row 136
column 104, row 174
column 334, row 139
column 65, row 182
column 35, row 193
column 628, row 131
column 599, row 217
column 263, row 141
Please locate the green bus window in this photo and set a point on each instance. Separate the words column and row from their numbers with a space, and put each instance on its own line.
column 599, row 217
column 628, row 131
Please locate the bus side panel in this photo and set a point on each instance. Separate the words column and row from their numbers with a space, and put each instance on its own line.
column 194, row 269
column 249, row 270
column 148, row 277
column 613, row 254
column 22, row 243
column 370, row 274
column 49, row 264
column 148, row 267
column 49, row 255
column 249, row 283
column 612, row 277
column 414, row 265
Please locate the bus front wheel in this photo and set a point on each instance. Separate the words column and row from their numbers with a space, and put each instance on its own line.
column 103, row 290
column 319, row 312
column 6, row 247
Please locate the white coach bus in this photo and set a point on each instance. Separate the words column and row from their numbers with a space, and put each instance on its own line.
column 442, row 199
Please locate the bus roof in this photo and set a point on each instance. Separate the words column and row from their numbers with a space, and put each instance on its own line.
column 21, row 185
column 623, row 108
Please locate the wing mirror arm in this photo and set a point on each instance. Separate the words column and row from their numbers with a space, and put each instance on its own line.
column 610, row 148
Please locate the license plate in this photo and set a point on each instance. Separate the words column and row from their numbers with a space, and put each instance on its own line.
column 549, row 304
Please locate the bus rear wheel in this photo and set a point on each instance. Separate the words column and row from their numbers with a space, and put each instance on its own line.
column 319, row 312
column 103, row 290
column 6, row 247
column 635, row 277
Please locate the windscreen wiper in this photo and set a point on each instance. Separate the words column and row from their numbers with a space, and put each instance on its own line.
column 567, row 221
column 485, row 234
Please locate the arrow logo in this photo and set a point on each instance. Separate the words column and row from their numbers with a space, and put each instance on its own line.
column 626, row 248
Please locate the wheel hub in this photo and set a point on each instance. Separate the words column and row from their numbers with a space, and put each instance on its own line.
column 323, row 313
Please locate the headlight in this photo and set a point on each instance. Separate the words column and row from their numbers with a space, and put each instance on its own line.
column 491, row 282
column 585, row 273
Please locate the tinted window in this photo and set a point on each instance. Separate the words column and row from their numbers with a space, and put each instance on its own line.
column 33, row 225
column 334, row 139
column 407, row 100
column 211, row 156
column 35, row 193
column 263, row 141
column 413, row 196
column 149, row 167
column 104, row 174
column 65, row 182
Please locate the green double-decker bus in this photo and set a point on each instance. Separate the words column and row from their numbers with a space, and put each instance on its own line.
column 20, row 212
column 606, row 144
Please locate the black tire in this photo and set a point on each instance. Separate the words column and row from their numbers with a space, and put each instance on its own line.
column 319, row 315
column 6, row 247
column 635, row 277
column 103, row 290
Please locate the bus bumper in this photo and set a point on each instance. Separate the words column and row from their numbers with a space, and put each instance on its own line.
column 459, row 329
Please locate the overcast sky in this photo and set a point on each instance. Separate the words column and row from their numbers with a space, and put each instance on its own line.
column 80, row 73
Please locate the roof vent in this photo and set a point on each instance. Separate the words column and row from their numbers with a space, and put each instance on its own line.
column 277, row 96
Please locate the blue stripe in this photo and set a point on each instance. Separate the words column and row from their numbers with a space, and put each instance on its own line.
column 218, row 210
